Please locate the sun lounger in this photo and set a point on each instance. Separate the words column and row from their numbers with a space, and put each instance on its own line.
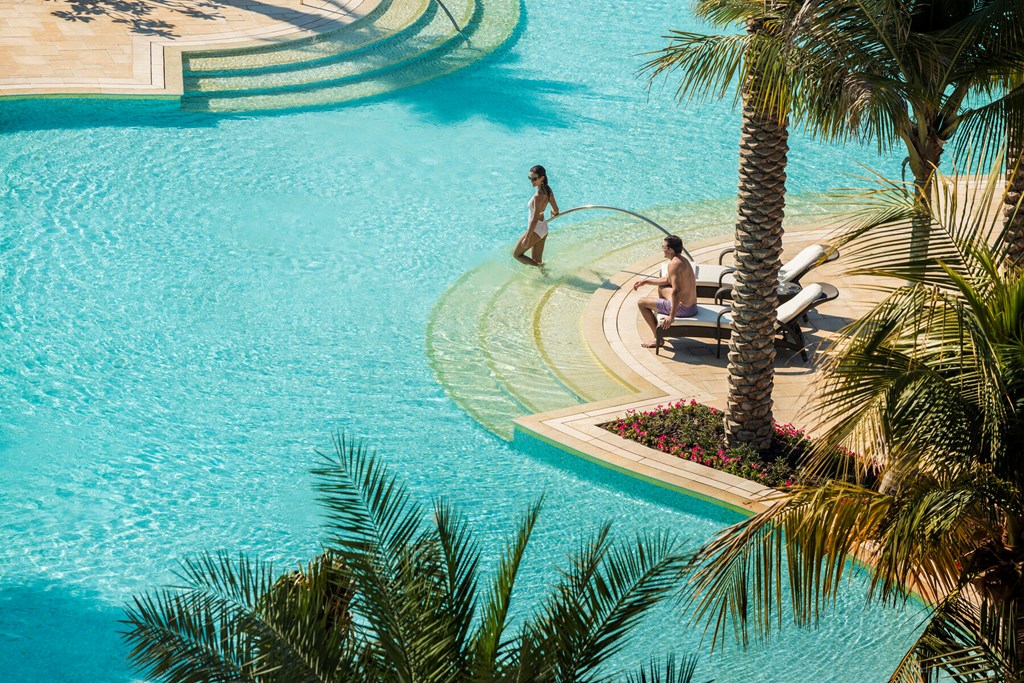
column 715, row 321
column 711, row 278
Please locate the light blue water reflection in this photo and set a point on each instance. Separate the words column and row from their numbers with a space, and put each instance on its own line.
column 192, row 304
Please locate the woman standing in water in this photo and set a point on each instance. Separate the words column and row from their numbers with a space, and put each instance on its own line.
column 537, row 229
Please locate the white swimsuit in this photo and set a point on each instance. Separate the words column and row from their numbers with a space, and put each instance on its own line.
column 541, row 229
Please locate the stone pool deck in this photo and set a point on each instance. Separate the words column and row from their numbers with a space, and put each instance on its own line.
column 688, row 369
column 133, row 47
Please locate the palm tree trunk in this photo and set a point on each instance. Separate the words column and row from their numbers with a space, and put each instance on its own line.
column 924, row 159
column 920, row 230
column 762, row 197
column 1013, row 210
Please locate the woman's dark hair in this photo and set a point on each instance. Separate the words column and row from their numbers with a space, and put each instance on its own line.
column 541, row 173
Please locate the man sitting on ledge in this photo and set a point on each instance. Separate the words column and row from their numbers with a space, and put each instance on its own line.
column 677, row 291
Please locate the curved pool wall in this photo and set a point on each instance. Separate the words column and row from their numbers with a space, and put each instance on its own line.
column 191, row 304
column 506, row 343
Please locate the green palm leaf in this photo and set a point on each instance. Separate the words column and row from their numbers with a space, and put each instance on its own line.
column 656, row 672
column 961, row 227
column 224, row 624
column 367, row 508
column 927, row 389
column 806, row 537
column 949, row 649
column 607, row 589
column 394, row 598
column 398, row 579
column 461, row 561
column 490, row 648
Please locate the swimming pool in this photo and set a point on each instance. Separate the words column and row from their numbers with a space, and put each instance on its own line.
column 191, row 304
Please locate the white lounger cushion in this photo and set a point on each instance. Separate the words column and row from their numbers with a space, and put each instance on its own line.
column 792, row 308
column 801, row 262
column 711, row 275
column 707, row 315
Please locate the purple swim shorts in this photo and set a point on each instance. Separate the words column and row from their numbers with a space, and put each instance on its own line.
column 681, row 310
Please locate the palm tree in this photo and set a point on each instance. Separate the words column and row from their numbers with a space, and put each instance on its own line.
column 917, row 72
column 708, row 64
column 888, row 70
column 395, row 597
column 928, row 389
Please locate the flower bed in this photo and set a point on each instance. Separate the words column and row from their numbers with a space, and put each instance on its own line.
column 696, row 432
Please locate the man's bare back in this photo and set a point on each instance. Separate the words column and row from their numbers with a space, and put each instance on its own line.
column 681, row 279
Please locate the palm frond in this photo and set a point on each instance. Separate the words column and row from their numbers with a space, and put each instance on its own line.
column 461, row 561
column 722, row 13
column 607, row 589
column 396, row 567
column 929, row 361
column 310, row 613
column 491, row 647
column 949, row 648
column 707, row 65
column 394, row 598
column 173, row 643
column 219, row 627
column 807, row 537
column 982, row 132
column 895, row 368
column 933, row 524
column 922, row 364
column 875, row 237
column 667, row 672
column 367, row 507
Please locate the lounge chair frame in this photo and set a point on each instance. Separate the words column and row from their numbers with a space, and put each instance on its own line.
column 789, row 335
column 706, row 291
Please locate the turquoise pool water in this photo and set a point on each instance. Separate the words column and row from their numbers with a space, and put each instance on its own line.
column 192, row 304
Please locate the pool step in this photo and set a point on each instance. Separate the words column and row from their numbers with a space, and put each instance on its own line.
column 415, row 43
column 508, row 343
column 430, row 29
column 387, row 20
column 507, row 340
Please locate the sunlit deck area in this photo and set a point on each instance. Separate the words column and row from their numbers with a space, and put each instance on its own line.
column 133, row 48
column 688, row 369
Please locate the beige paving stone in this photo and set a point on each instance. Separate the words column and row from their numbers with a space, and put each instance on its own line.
column 608, row 451
column 587, row 427
column 574, row 433
column 127, row 39
column 708, row 482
